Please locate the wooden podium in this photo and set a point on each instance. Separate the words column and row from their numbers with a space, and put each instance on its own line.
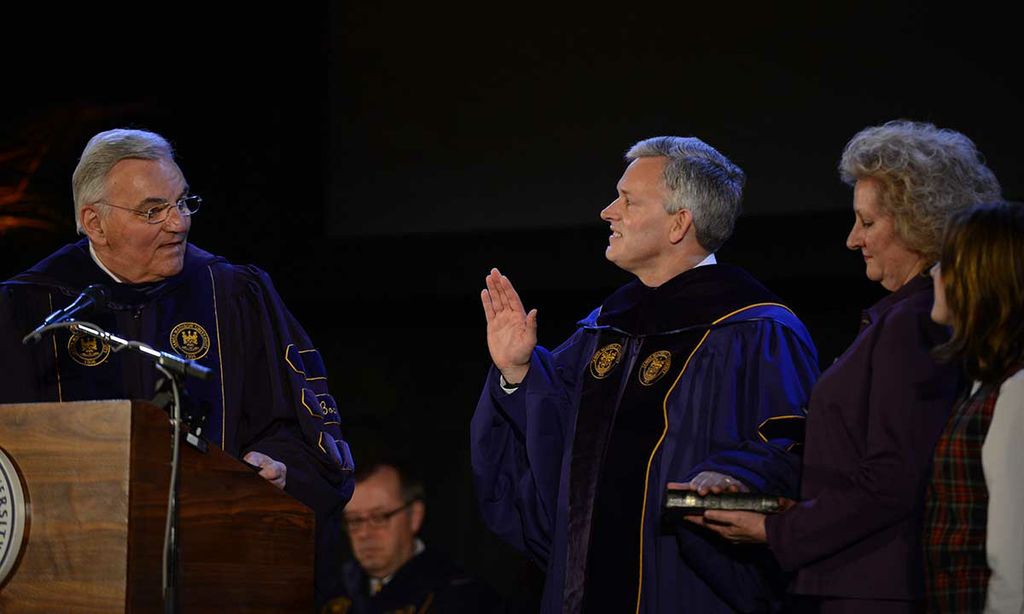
column 97, row 474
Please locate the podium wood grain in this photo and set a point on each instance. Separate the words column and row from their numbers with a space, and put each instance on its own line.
column 97, row 474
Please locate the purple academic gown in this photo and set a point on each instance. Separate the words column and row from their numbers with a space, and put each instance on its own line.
column 655, row 386
column 429, row 582
column 873, row 420
column 269, row 388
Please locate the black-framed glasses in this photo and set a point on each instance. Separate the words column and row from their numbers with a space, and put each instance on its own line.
column 158, row 214
column 376, row 520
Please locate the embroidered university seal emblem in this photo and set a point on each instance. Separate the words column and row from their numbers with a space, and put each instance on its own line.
column 654, row 367
column 605, row 359
column 190, row 340
column 13, row 521
column 86, row 350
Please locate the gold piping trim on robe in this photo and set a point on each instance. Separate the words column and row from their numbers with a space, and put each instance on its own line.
column 296, row 369
column 647, row 475
column 302, row 399
column 664, row 413
column 311, row 379
column 56, row 356
column 769, row 419
column 220, row 363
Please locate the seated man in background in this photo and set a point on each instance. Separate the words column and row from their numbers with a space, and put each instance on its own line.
column 393, row 571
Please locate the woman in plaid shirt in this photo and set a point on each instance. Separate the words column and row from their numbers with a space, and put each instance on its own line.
column 974, row 532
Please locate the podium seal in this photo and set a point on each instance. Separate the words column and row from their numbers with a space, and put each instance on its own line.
column 13, row 516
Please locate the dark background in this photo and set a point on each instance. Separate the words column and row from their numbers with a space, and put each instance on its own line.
column 378, row 159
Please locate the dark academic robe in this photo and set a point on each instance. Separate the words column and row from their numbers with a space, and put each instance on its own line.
column 655, row 386
column 269, row 388
column 429, row 583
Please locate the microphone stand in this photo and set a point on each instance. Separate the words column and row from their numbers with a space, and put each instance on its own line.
column 169, row 575
column 175, row 369
column 175, row 364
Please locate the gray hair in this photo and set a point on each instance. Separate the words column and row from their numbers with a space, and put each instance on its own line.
column 701, row 180
column 105, row 150
column 926, row 174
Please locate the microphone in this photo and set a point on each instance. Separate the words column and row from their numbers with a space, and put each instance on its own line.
column 93, row 298
column 183, row 367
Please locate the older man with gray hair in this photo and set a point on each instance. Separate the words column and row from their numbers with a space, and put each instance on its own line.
column 677, row 377
column 268, row 401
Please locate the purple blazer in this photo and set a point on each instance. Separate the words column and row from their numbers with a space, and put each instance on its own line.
column 873, row 420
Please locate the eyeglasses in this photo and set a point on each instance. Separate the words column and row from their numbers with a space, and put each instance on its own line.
column 158, row 214
column 376, row 520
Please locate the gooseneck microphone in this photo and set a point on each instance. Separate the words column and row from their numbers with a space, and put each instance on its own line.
column 92, row 299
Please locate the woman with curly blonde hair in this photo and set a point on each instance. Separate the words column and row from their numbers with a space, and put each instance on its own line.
column 974, row 529
column 922, row 175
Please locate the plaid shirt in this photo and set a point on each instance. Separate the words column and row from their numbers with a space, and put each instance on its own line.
column 957, row 509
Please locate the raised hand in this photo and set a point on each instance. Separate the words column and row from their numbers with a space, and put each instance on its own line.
column 511, row 331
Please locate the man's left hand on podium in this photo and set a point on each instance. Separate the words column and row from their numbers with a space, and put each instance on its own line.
column 271, row 470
